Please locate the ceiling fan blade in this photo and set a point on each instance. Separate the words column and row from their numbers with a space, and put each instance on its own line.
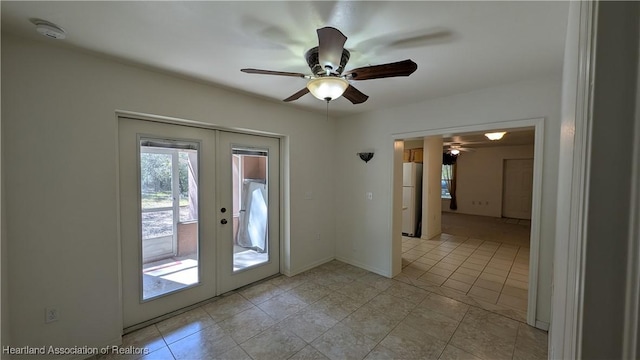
column 354, row 95
column 270, row 72
column 400, row 68
column 297, row 95
column 330, row 45
column 459, row 148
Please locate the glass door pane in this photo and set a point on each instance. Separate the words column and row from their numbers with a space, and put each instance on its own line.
column 250, row 235
column 248, row 198
column 168, row 220
column 169, row 216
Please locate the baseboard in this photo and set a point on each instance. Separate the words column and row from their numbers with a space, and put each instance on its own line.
column 309, row 266
column 542, row 325
column 364, row 266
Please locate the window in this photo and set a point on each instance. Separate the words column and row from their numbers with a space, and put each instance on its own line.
column 447, row 175
column 169, row 216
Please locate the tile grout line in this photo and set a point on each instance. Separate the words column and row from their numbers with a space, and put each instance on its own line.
column 515, row 343
column 467, row 312
column 505, row 280
column 459, row 266
column 454, row 332
column 481, row 271
column 485, row 266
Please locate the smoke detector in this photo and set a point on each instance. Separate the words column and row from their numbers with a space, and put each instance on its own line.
column 49, row 30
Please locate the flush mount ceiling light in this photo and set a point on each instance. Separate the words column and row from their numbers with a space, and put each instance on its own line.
column 454, row 152
column 495, row 136
column 49, row 29
column 327, row 87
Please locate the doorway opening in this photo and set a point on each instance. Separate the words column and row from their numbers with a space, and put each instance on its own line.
column 479, row 255
column 176, row 205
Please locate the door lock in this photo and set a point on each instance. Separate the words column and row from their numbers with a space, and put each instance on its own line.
column 223, row 221
column 223, row 210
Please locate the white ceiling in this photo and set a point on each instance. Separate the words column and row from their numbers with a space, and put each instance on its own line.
column 458, row 46
column 513, row 137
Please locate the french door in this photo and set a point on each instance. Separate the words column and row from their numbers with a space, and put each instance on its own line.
column 249, row 166
column 199, row 214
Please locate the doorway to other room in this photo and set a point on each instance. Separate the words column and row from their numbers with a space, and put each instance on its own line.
column 484, row 248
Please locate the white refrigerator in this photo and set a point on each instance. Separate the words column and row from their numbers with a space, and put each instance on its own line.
column 411, row 198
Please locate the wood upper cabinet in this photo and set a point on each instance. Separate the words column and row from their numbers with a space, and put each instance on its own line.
column 413, row 155
column 417, row 155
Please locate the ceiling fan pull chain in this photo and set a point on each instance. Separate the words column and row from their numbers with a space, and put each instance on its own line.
column 328, row 108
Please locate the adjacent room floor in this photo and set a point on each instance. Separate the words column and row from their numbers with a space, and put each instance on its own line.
column 338, row 311
column 504, row 230
column 479, row 260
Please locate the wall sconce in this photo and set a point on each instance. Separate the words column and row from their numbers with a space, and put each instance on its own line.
column 365, row 156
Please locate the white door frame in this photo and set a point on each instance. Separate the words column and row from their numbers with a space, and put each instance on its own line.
column 565, row 337
column 631, row 339
column 284, row 183
column 538, row 125
column 571, row 215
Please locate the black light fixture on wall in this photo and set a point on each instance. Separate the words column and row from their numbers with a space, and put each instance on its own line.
column 365, row 156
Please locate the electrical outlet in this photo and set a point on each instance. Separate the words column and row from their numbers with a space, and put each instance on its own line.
column 50, row 314
column 370, row 195
column 318, row 236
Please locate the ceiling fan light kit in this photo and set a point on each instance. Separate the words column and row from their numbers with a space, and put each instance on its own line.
column 328, row 87
column 327, row 61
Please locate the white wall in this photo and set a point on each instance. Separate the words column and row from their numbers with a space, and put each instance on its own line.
column 480, row 177
column 58, row 112
column 363, row 226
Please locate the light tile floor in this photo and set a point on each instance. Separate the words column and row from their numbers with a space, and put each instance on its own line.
column 338, row 311
column 475, row 270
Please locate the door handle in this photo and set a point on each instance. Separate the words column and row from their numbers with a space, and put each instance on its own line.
column 223, row 221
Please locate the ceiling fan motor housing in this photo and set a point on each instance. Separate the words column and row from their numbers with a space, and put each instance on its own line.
column 314, row 63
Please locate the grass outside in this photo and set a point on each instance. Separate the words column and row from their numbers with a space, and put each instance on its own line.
column 161, row 199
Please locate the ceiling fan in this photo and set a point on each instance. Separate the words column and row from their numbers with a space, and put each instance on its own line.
column 455, row 148
column 327, row 61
